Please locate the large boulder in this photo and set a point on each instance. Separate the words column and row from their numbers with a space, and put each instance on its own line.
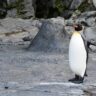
column 21, row 8
column 16, row 30
column 89, row 17
column 94, row 3
column 28, row 9
column 51, row 36
column 75, row 4
column 90, row 34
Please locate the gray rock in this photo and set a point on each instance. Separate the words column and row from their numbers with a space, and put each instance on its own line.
column 75, row 4
column 88, row 17
column 94, row 3
column 27, row 38
column 37, row 23
column 29, row 9
column 90, row 90
column 90, row 34
column 15, row 30
column 72, row 4
column 23, row 9
column 69, row 30
column 91, row 21
column 12, row 13
column 11, row 1
column 42, row 89
column 88, row 14
column 67, row 2
column 92, row 48
column 51, row 36
column 67, row 14
column 15, row 25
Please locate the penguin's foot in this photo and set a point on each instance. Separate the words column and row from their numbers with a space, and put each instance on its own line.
column 77, row 81
column 73, row 79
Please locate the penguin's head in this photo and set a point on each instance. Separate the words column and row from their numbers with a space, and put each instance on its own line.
column 78, row 27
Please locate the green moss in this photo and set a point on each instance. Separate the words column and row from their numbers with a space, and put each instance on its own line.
column 20, row 7
column 60, row 6
column 84, row 6
column 12, row 5
column 76, row 13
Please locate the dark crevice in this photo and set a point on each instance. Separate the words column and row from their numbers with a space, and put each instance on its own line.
column 45, row 10
column 3, row 8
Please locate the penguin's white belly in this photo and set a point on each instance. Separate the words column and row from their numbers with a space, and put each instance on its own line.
column 77, row 55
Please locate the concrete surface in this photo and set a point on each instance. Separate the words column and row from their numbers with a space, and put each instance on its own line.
column 27, row 73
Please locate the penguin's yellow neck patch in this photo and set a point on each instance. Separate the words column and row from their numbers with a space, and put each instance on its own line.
column 76, row 33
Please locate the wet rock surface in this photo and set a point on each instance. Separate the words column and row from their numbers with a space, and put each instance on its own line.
column 36, row 73
column 39, row 73
column 45, row 90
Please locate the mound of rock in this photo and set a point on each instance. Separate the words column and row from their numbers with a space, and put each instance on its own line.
column 51, row 36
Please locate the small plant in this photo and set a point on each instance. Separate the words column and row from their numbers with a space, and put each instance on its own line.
column 59, row 5
column 20, row 7
column 83, row 6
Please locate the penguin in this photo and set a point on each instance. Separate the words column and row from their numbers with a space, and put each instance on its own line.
column 78, row 55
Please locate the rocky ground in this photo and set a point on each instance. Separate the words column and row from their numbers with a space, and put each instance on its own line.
column 44, row 69
column 41, row 74
column 38, row 73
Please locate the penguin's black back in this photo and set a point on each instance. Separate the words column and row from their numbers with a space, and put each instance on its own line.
column 86, row 44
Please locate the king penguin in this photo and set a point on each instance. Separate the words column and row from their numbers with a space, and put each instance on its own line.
column 77, row 55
